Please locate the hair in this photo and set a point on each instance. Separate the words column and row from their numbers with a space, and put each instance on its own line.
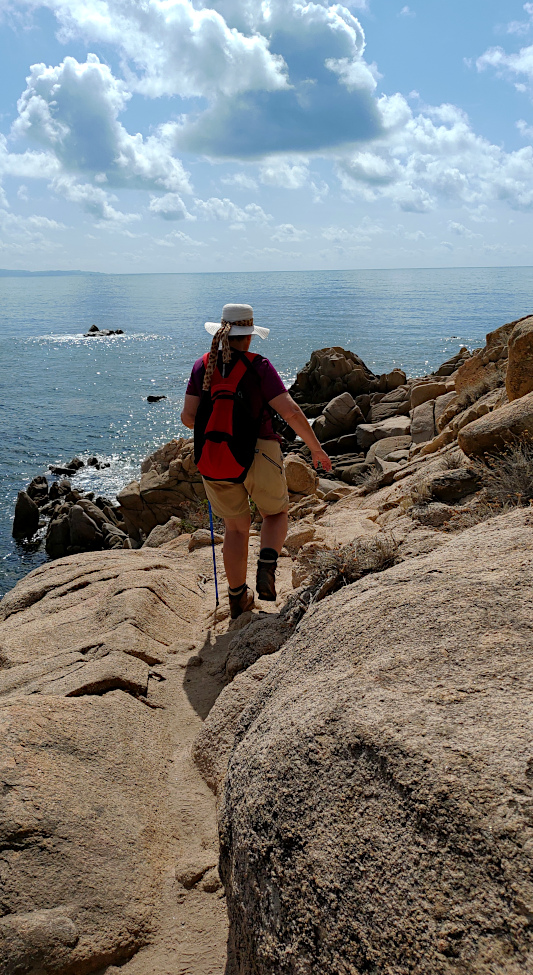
column 221, row 337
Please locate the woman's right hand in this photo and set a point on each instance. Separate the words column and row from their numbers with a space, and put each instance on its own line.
column 320, row 456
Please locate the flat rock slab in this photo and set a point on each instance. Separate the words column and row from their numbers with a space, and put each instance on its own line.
column 376, row 814
column 99, row 799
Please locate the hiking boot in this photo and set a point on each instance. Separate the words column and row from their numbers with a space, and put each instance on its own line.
column 240, row 601
column 267, row 564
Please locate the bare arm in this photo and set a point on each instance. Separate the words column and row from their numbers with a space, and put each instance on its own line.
column 189, row 410
column 292, row 414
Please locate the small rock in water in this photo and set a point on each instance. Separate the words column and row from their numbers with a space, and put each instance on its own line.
column 94, row 331
column 154, row 399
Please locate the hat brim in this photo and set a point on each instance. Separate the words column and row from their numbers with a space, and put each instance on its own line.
column 236, row 330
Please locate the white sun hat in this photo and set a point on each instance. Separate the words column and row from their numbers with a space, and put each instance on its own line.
column 241, row 318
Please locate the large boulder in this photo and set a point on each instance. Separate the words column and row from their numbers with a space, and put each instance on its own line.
column 376, row 809
column 423, row 422
column 38, row 490
column 494, row 430
column 301, row 478
column 331, row 372
column 486, row 368
column 424, row 391
column 368, row 433
column 169, row 481
column 26, row 520
column 519, row 378
column 94, row 712
column 340, row 417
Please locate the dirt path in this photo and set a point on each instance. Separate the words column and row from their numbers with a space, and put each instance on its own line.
column 191, row 926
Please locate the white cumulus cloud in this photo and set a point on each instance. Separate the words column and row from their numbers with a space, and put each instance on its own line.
column 170, row 207
column 72, row 110
column 227, row 211
column 434, row 158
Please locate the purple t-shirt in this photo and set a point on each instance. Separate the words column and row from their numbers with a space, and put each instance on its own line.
column 261, row 390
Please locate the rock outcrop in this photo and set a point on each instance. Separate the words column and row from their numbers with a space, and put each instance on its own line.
column 97, row 791
column 376, row 809
column 502, row 426
column 169, row 482
column 519, row 376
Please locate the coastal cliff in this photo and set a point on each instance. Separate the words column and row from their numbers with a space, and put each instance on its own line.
column 364, row 742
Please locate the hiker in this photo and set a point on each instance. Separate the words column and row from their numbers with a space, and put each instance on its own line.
column 231, row 397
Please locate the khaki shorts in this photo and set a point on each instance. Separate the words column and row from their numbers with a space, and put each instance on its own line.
column 265, row 484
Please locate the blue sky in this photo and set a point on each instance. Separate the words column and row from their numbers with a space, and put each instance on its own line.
column 181, row 135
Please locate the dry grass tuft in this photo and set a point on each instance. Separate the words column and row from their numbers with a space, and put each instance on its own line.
column 452, row 461
column 470, row 515
column 347, row 563
column 420, row 492
column 340, row 567
column 369, row 482
column 471, row 395
column 508, row 476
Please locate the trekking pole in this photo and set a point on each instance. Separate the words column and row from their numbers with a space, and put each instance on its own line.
column 213, row 547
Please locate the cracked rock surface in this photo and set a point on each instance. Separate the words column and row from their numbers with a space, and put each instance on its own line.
column 108, row 846
column 376, row 815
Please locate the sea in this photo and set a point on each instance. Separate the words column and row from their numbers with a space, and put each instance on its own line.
column 63, row 395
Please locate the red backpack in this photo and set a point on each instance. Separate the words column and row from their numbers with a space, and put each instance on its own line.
column 225, row 428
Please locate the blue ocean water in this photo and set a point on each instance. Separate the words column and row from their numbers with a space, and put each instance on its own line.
column 62, row 395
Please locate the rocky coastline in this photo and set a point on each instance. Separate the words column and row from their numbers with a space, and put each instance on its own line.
column 338, row 782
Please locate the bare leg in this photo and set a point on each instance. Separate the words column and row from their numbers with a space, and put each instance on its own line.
column 274, row 530
column 235, row 550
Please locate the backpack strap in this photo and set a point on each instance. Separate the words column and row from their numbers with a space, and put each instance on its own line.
column 249, row 358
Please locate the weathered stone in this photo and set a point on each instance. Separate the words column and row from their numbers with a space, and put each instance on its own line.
column 354, row 472
column 442, row 440
column 423, row 392
column 451, row 365
column 214, row 743
column 162, row 534
column 26, row 520
column 386, row 410
column 368, row 433
column 481, row 372
column 298, row 536
column 432, row 515
column 341, row 445
column 395, row 378
column 442, row 404
column 371, row 774
column 38, row 490
column 39, row 941
column 423, row 422
column 519, row 376
column 496, row 429
column 381, row 448
column 98, row 794
column 59, row 489
column 84, row 532
column 202, row 537
column 330, row 372
column 387, row 470
column 301, row 478
column 454, row 484
column 339, row 417
column 58, row 536
column 169, row 478
column 262, row 636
